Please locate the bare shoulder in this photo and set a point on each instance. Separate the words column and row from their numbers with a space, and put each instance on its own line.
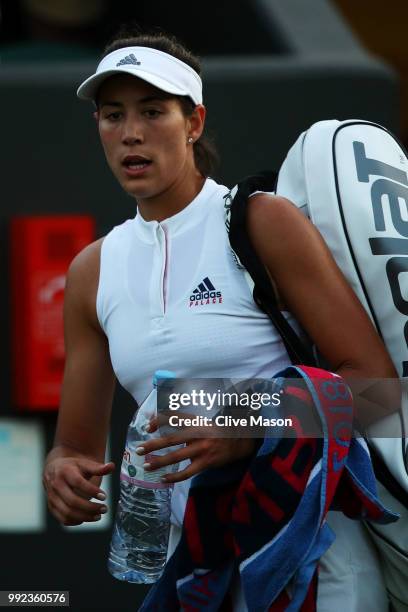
column 279, row 230
column 83, row 277
column 276, row 214
column 88, row 258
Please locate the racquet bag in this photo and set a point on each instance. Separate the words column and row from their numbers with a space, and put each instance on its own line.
column 350, row 178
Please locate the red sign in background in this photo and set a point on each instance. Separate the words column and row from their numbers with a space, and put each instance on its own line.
column 41, row 249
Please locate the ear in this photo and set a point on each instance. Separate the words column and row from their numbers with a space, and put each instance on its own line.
column 96, row 116
column 196, row 122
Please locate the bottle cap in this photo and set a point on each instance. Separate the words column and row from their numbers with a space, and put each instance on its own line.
column 162, row 375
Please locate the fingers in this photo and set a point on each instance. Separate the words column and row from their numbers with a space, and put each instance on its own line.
column 78, row 503
column 75, row 479
column 191, row 470
column 203, row 453
column 174, row 439
column 69, row 490
column 92, row 468
column 154, row 423
column 93, row 475
column 69, row 508
column 107, row 468
column 154, row 462
column 77, row 511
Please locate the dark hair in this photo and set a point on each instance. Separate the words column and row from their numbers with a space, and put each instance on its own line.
column 205, row 152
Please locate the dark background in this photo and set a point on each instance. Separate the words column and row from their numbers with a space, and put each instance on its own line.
column 271, row 68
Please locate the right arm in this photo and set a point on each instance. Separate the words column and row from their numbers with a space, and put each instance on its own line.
column 75, row 466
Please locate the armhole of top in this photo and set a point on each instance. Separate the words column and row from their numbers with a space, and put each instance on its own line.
column 271, row 193
column 99, row 292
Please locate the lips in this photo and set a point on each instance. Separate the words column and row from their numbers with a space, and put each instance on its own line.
column 135, row 164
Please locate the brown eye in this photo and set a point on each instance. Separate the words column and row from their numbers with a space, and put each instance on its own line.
column 152, row 113
column 114, row 116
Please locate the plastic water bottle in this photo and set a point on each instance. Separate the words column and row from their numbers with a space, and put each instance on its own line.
column 141, row 531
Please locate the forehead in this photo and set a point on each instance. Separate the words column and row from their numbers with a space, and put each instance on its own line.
column 121, row 86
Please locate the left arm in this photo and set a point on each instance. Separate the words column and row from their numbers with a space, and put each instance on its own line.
column 315, row 290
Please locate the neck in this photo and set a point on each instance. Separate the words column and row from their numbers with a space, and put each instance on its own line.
column 172, row 200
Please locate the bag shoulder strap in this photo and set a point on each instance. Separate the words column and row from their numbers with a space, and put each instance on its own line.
column 263, row 292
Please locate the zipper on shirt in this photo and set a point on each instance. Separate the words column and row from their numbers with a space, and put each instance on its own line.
column 165, row 257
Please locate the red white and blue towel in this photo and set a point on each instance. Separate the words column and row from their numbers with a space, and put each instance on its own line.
column 265, row 514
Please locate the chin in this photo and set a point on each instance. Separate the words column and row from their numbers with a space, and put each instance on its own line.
column 136, row 189
column 144, row 190
column 138, row 192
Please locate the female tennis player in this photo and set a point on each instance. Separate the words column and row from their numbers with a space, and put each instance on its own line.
column 130, row 310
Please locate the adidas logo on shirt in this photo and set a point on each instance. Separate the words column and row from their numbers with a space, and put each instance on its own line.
column 205, row 293
column 129, row 59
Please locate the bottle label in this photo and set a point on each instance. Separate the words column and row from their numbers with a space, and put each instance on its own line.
column 132, row 471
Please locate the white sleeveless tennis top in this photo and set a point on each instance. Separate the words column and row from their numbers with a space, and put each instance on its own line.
column 171, row 296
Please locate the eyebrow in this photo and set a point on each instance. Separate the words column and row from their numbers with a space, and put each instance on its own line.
column 153, row 98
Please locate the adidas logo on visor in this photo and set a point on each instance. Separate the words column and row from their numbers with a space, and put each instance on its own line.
column 129, row 59
column 205, row 293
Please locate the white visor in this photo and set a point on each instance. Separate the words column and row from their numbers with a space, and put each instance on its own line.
column 156, row 67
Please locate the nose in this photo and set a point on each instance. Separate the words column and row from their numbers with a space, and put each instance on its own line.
column 132, row 132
